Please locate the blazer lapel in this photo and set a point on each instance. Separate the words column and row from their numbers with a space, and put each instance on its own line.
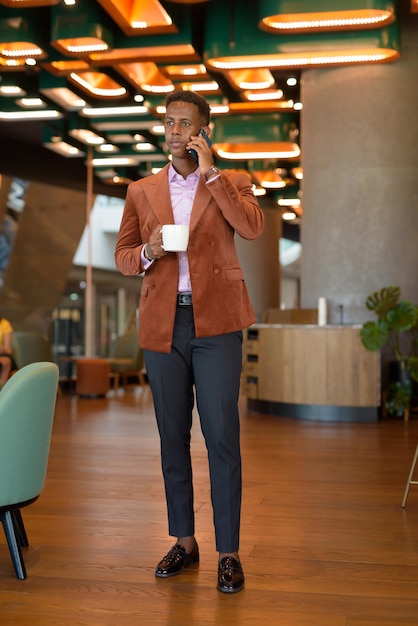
column 157, row 192
column 200, row 204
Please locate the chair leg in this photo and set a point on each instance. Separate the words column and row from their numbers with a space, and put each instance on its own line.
column 141, row 378
column 14, row 547
column 114, row 378
column 20, row 528
column 410, row 481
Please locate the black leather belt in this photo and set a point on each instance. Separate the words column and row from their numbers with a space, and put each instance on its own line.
column 184, row 299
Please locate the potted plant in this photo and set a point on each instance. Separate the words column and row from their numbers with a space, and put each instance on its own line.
column 397, row 328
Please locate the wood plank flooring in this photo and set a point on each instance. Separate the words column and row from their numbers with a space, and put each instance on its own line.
column 325, row 541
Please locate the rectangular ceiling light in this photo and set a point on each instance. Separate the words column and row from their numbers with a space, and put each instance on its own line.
column 179, row 72
column 276, row 16
column 20, row 116
column 146, row 76
column 86, row 136
column 63, row 148
column 11, row 91
column 163, row 54
column 114, row 111
column 127, row 124
column 29, row 3
column 64, row 97
column 148, row 16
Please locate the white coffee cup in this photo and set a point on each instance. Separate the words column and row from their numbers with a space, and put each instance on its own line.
column 175, row 237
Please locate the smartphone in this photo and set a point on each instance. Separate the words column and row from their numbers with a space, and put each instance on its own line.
column 208, row 141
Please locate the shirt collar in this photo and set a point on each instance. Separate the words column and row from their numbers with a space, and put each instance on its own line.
column 173, row 175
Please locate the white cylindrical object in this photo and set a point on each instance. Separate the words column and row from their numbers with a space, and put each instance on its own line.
column 175, row 237
column 322, row 312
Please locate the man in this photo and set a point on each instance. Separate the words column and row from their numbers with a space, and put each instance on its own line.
column 193, row 307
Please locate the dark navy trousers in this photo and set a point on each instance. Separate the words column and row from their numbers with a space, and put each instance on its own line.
column 209, row 370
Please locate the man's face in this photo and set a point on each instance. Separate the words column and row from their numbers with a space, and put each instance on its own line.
column 182, row 120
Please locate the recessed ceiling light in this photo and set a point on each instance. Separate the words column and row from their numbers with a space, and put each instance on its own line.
column 327, row 20
column 63, row 148
column 289, row 216
column 11, row 90
column 108, row 148
column 293, row 202
column 46, row 114
column 86, row 136
column 115, row 161
column 114, row 111
column 31, row 102
column 144, row 147
column 98, row 84
column 64, row 97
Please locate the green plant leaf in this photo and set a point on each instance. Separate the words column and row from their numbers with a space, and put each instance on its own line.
column 403, row 316
column 374, row 335
column 382, row 301
column 399, row 397
column 413, row 367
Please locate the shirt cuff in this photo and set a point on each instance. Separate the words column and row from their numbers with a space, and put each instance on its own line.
column 145, row 262
column 213, row 178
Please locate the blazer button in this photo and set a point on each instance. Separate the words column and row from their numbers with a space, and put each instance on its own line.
column 216, row 270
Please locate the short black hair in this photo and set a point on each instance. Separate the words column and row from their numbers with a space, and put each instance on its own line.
column 190, row 96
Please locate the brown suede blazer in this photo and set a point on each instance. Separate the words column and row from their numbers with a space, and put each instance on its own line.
column 220, row 299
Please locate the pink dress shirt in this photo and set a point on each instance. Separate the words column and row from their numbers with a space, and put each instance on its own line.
column 182, row 192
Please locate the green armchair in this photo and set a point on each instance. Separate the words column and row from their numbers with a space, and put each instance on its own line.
column 29, row 347
column 27, row 405
column 127, row 359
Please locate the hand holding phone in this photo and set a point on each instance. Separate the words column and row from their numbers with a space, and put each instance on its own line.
column 203, row 133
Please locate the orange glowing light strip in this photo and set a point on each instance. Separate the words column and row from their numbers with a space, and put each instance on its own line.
column 327, row 20
column 308, row 59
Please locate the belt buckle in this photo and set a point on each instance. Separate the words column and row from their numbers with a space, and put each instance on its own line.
column 184, row 299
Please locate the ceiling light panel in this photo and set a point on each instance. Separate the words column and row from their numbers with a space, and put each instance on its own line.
column 81, row 29
column 147, row 16
column 86, row 136
column 146, row 76
column 64, row 149
column 182, row 71
column 21, row 116
column 110, row 63
column 249, row 49
column 11, row 91
column 201, row 86
column 98, row 84
column 28, row 3
column 250, row 79
column 262, row 95
column 20, row 35
column 108, row 148
column 261, row 136
column 65, row 98
column 295, row 17
column 115, row 111
column 64, row 68
column 31, row 103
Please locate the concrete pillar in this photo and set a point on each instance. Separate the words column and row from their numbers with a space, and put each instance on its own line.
column 359, row 230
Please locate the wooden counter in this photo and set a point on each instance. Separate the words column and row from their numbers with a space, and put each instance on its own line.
column 321, row 372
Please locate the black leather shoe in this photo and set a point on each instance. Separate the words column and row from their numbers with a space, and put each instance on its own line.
column 176, row 560
column 230, row 575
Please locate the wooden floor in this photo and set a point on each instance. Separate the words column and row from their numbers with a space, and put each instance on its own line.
column 325, row 540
